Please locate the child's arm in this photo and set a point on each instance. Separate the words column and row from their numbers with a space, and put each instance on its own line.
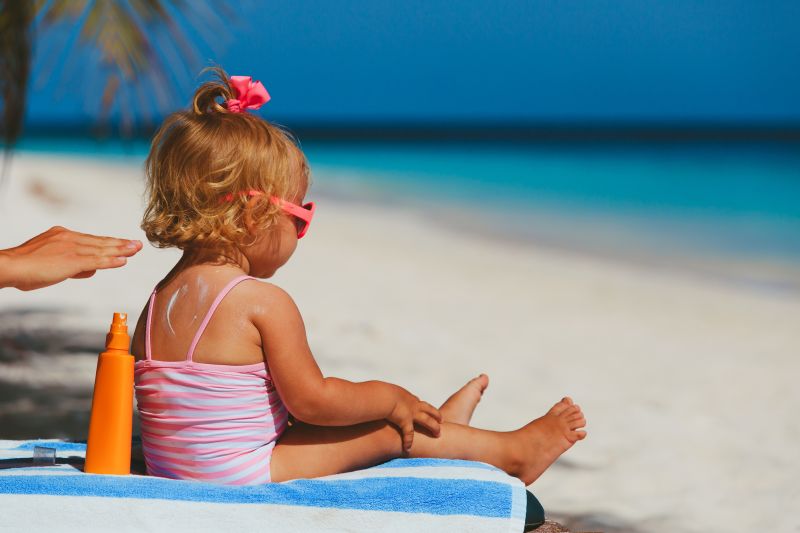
column 315, row 399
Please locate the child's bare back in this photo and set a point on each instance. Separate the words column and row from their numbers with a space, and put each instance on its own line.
column 230, row 338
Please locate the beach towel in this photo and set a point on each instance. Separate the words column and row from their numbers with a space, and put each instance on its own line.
column 400, row 495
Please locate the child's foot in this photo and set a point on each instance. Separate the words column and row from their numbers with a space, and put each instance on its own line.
column 537, row 445
column 459, row 407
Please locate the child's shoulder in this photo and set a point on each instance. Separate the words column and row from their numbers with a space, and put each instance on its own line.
column 266, row 289
column 272, row 308
column 268, row 296
column 231, row 285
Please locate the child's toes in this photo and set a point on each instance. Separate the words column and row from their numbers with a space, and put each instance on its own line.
column 482, row 382
column 575, row 423
column 571, row 411
column 576, row 418
column 559, row 408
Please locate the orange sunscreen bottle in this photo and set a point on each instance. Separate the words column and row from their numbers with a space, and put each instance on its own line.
column 108, row 450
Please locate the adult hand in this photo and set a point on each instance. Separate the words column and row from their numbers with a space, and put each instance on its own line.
column 58, row 254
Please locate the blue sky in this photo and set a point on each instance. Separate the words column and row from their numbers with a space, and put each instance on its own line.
column 480, row 60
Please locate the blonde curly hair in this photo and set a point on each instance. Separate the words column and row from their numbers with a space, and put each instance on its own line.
column 200, row 156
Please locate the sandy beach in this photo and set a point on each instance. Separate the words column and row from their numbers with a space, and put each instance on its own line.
column 689, row 384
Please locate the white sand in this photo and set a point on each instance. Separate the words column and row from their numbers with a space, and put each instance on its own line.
column 689, row 385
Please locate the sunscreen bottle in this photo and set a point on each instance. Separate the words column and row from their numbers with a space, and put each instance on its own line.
column 108, row 450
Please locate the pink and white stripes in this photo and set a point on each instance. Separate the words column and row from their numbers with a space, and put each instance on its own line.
column 214, row 423
column 209, row 424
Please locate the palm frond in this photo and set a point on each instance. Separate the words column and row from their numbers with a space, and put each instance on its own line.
column 143, row 46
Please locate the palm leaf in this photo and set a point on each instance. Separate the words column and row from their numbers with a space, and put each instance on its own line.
column 133, row 36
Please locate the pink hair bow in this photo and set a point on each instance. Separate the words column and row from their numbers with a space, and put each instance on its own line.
column 249, row 94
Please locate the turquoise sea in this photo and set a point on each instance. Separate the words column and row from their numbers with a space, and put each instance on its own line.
column 733, row 204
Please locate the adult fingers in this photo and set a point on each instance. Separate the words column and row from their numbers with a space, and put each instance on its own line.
column 85, row 274
column 100, row 262
column 126, row 250
column 106, row 242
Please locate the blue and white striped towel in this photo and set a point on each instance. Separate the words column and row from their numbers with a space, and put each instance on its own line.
column 401, row 495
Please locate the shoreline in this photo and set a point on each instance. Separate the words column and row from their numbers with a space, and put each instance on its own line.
column 773, row 275
column 594, row 234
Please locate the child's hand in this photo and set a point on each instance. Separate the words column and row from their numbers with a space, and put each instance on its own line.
column 409, row 410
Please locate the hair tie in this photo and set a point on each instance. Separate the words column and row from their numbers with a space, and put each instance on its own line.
column 249, row 94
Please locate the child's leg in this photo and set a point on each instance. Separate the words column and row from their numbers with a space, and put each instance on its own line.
column 460, row 406
column 306, row 451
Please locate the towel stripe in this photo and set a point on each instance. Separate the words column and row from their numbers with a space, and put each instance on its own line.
column 405, row 495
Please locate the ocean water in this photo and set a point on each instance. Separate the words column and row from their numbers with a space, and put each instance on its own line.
column 730, row 212
column 735, row 205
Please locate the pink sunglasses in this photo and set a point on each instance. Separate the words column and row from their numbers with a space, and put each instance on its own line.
column 301, row 214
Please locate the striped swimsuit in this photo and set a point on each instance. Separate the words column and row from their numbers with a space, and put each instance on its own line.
column 207, row 422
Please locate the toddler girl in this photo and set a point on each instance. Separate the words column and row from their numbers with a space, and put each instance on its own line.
column 227, row 387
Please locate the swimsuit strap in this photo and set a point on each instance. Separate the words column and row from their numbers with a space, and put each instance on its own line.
column 224, row 292
column 147, row 325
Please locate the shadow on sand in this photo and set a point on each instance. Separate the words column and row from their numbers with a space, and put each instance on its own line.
column 592, row 522
column 46, row 375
